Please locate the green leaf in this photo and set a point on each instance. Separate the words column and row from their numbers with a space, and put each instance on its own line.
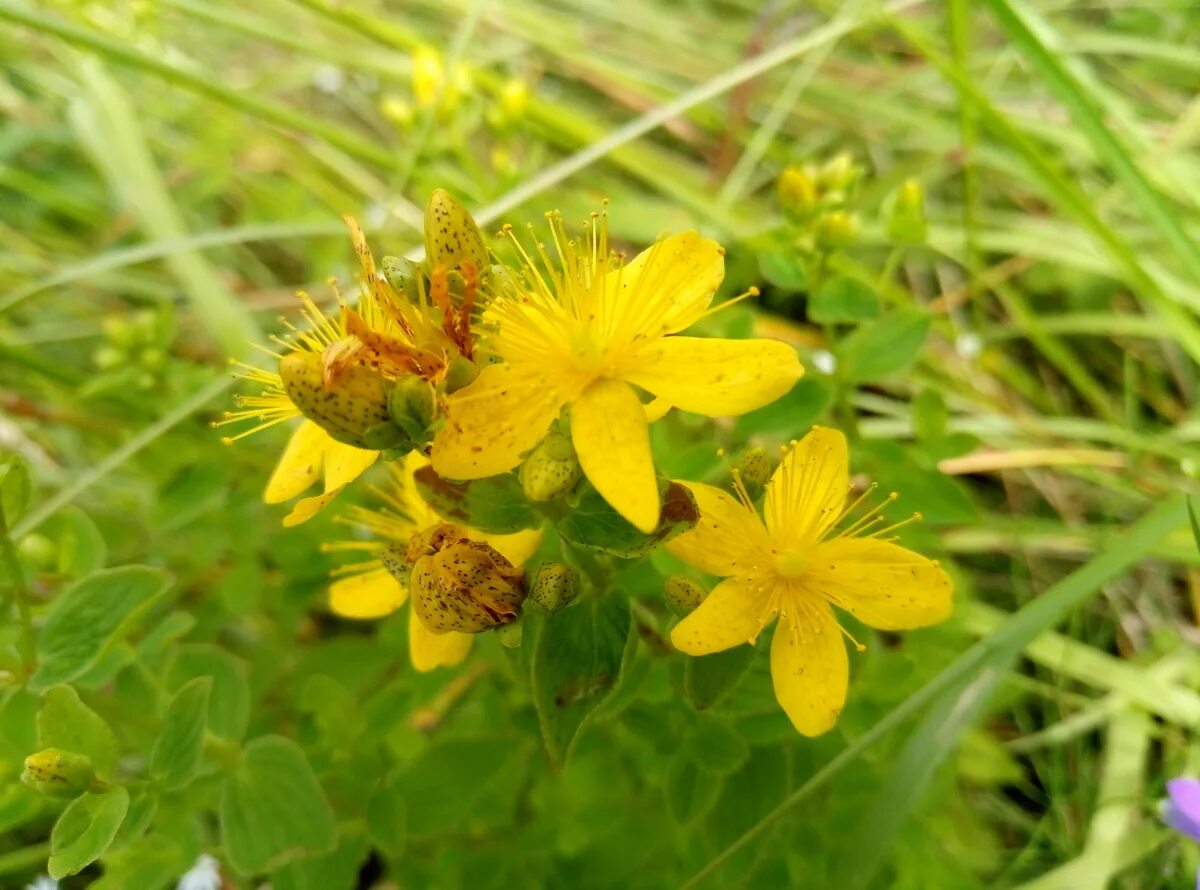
column 784, row 269
column 577, row 660
column 593, row 523
column 883, row 347
column 712, row 744
column 691, row 791
column 85, row 829
column 142, row 807
column 707, row 679
column 229, row 702
column 15, row 489
column 81, row 547
column 387, row 817
column 66, row 723
column 89, row 617
column 495, row 505
column 175, row 759
column 333, row 871
column 843, row 300
column 272, row 808
column 793, row 414
column 1195, row 524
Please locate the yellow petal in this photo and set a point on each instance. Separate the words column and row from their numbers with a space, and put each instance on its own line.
column 880, row 583
column 345, row 463
column 734, row 613
column 370, row 594
column 729, row 539
column 300, row 464
column 715, row 377
column 612, row 439
column 668, row 286
column 657, row 410
column 428, row 650
column 492, row 422
column 517, row 547
column 809, row 667
column 307, row 508
column 807, row 492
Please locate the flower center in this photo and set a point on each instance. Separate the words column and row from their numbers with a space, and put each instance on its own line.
column 791, row 563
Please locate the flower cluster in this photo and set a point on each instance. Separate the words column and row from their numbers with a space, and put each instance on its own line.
column 533, row 386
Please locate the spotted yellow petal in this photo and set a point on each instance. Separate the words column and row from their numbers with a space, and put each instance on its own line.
column 517, row 547
column 492, row 422
column 300, row 464
column 734, row 612
column 715, row 377
column 668, row 286
column 370, row 594
column 809, row 666
column 306, row 508
column 807, row 492
column 729, row 539
column 428, row 650
column 612, row 439
column 880, row 583
column 345, row 463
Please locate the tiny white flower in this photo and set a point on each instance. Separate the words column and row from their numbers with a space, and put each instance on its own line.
column 204, row 875
column 45, row 882
column 328, row 78
column 969, row 345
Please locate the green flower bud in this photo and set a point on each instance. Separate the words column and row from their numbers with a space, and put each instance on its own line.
column 551, row 469
column 838, row 175
column 754, row 469
column 797, row 190
column 460, row 372
column 353, row 409
column 835, row 229
column 58, row 773
column 412, row 406
column 119, row 332
column 404, row 275
column 553, row 586
column 906, row 220
column 684, row 594
column 108, row 357
column 39, row 550
column 462, row 585
column 511, row 635
column 451, row 236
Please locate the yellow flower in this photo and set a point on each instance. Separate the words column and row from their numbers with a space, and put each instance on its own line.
column 795, row 563
column 584, row 329
column 366, row 589
column 331, row 360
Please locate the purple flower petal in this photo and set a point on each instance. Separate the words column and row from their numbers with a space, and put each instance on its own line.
column 1182, row 811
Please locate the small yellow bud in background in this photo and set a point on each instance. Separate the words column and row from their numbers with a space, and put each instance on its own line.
column 683, row 594
column 353, row 409
column 428, row 74
column 797, row 190
column 551, row 469
column 397, row 109
column 462, row 585
column 553, row 586
column 58, row 773
column 838, row 176
column 452, row 239
column 836, row 229
column 906, row 220
column 514, row 97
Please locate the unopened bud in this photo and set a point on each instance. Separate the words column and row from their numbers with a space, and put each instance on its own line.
column 462, row 585
column 58, row 773
column 797, row 190
column 906, row 220
column 837, row 228
column 452, row 240
column 404, row 275
column 397, row 109
column 838, row 175
column 428, row 75
column 459, row 373
column 353, row 408
column 551, row 470
column 754, row 469
column 512, row 634
column 412, row 406
column 553, row 586
column 684, row 594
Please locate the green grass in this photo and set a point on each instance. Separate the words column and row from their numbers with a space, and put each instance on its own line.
column 187, row 162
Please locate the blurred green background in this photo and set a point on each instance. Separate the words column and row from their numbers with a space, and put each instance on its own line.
column 1023, row 370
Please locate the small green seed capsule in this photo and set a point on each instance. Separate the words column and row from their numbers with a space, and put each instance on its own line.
column 451, row 237
column 58, row 773
column 354, row 403
column 551, row 470
column 553, row 586
column 684, row 594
